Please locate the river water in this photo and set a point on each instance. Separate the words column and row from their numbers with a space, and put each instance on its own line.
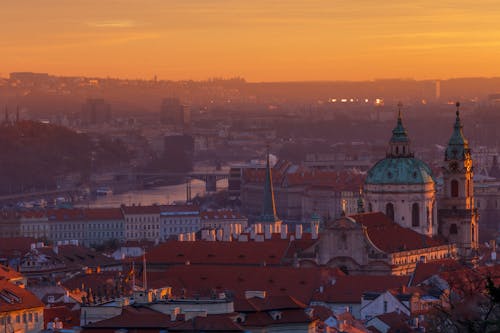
column 159, row 195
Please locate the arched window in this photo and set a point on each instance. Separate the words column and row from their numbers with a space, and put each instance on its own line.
column 453, row 229
column 404, row 150
column 389, row 211
column 397, row 150
column 415, row 215
column 370, row 207
column 454, row 188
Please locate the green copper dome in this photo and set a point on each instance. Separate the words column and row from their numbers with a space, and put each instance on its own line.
column 399, row 170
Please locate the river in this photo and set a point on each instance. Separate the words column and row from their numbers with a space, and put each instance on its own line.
column 158, row 195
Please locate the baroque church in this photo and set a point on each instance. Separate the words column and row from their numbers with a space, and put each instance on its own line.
column 406, row 220
column 403, row 187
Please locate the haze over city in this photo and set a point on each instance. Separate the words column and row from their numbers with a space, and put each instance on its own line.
column 313, row 166
column 287, row 40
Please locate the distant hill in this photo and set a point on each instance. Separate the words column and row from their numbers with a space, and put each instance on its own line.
column 33, row 154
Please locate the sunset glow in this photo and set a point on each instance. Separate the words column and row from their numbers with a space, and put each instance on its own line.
column 287, row 40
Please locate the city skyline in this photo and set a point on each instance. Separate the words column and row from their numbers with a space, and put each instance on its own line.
column 260, row 41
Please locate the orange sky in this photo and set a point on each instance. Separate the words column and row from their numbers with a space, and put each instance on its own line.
column 273, row 40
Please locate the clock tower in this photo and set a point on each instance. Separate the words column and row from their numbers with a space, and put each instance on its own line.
column 458, row 218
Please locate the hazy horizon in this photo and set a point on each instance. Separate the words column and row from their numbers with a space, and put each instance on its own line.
column 262, row 41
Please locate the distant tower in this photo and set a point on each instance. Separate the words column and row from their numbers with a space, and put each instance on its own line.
column 269, row 215
column 458, row 218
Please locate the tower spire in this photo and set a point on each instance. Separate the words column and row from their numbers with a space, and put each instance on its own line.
column 399, row 145
column 269, row 206
column 458, row 146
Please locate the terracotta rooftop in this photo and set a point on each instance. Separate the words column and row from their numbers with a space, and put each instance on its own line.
column 8, row 274
column 219, row 253
column 264, row 319
column 210, row 323
column 298, row 283
column 398, row 322
column 390, row 237
column 423, row 271
column 297, row 175
column 350, row 288
column 19, row 298
column 140, row 210
column 63, row 314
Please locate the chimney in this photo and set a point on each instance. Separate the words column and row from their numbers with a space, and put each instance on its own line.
column 174, row 312
column 267, row 231
column 314, row 230
column 252, row 233
column 284, row 231
column 212, row 235
column 298, row 231
column 220, row 234
column 180, row 237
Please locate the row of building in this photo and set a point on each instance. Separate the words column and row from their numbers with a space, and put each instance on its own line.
column 94, row 226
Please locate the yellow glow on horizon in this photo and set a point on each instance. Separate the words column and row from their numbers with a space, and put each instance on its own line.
column 260, row 40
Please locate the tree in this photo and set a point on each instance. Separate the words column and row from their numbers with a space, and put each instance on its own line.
column 470, row 302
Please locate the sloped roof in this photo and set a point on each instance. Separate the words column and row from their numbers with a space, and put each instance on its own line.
column 263, row 319
column 141, row 210
column 390, row 237
column 298, row 283
column 423, row 271
column 21, row 298
column 350, row 288
column 223, row 253
column 210, row 323
column 136, row 317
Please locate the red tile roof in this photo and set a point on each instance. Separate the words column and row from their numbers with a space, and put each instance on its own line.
column 210, row 323
column 219, row 253
column 264, row 319
column 423, row 271
column 136, row 318
column 350, row 288
column 104, row 214
column 281, row 302
column 398, row 322
column 20, row 298
column 15, row 245
column 141, row 210
column 298, row 283
column 390, row 237
column 345, row 180
column 68, row 317
column 7, row 273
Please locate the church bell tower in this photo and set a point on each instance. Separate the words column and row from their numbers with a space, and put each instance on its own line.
column 458, row 218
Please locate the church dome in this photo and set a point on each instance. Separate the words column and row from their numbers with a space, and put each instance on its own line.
column 399, row 166
column 399, row 170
